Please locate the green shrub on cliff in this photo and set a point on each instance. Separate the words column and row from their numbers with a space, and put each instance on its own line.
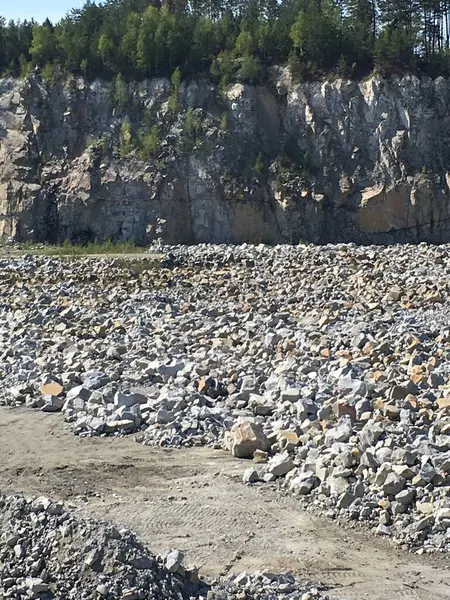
column 174, row 98
column 259, row 164
column 149, row 143
column 126, row 138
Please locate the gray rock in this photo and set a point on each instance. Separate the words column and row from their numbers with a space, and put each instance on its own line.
column 405, row 497
column 102, row 590
column 370, row 434
column 194, row 362
column 36, row 586
column 280, row 465
column 345, row 500
column 384, row 530
column 79, row 392
column 393, row 484
column 52, row 403
column 423, row 524
column 174, row 561
column 93, row 380
column 169, row 371
column 338, row 485
column 128, row 400
column 368, row 459
column 352, row 386
column 101, row 558
column 302, row 484
column 250, row 475
column 340, row 433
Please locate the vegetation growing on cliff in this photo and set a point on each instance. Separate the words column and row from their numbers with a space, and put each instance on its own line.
column 233, row 39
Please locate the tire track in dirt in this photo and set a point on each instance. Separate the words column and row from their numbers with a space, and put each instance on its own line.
column 193, row 500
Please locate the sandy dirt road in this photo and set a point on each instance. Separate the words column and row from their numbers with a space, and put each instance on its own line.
column 193, row 500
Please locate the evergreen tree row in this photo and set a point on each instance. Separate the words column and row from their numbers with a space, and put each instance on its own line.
column 233, row 39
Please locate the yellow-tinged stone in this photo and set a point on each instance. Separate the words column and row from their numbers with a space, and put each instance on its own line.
column 53, row 388
column 373, row 305
column 342, row 408
column 259, row 456
column 101, row 330
column 434, row 297
column 246, row 438
column 412, row 400
column 443, row 402
column 365, row 416
column 391, row 412
column 288, row 435
column 378, row 418
column 387, row 360
column 379, row 376
column 379, row 403
column 433, row 362
column 426, row 508
column 343, row 354
column 418, row 378
column 412, row 346
column 368, row 348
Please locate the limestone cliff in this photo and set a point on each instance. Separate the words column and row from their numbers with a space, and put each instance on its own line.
column 321, row 162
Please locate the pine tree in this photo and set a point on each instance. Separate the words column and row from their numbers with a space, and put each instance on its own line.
column 43, row 46
column 234, row 38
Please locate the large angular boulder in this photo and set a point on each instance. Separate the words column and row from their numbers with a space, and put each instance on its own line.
column 246, row 438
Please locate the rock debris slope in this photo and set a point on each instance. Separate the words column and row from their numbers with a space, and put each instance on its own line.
column 47, row 552
column 332, row 161
column 326, row 366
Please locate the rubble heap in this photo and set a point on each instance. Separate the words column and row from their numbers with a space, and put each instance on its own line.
column 326, row 366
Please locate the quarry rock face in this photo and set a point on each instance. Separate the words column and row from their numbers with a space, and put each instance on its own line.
column 332, row 161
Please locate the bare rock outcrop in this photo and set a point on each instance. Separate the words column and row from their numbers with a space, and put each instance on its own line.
column 322, row 162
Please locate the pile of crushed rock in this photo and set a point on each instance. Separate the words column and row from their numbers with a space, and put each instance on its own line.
column 46, row 552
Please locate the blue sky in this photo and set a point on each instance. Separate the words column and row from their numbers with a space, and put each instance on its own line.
column 38, row 9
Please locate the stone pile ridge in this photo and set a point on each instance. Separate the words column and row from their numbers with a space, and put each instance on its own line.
column 326, row 367
column 47, row 552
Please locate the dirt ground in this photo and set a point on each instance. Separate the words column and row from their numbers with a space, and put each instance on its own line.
column 193, row 500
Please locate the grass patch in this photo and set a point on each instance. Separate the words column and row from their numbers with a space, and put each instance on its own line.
column 137, row 266
column 92, row 248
